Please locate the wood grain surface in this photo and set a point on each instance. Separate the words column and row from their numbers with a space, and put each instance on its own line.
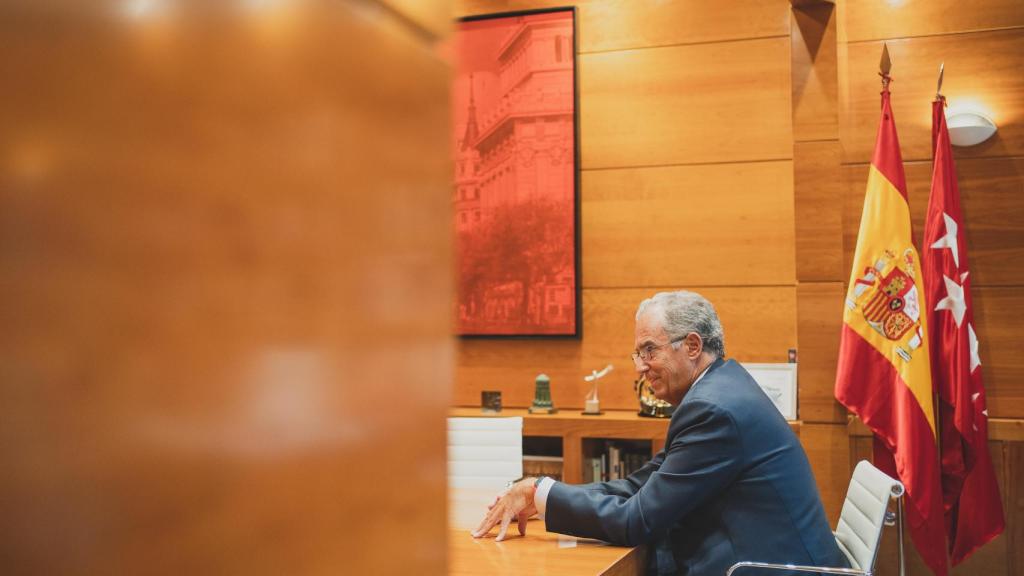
column 225, row 284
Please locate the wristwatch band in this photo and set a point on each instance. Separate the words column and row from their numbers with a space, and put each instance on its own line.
column 536, row 482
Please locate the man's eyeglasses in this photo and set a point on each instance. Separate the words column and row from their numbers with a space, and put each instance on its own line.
column 647, row 352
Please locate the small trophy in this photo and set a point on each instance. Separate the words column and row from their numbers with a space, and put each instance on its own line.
column 542, row 396
column 592, row 407
column 651, row 406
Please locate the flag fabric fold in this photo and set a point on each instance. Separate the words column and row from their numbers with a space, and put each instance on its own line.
column 973, row 508
column 884, row 371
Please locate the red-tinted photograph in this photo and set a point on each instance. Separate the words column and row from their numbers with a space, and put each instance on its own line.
column 515, row 175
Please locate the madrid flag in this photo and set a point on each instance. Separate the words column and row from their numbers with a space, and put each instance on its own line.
column 974, row 512
column 884, row 373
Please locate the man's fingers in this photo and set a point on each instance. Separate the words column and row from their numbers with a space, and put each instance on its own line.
column 523, row 518
column 505, row 521
column 486, row 524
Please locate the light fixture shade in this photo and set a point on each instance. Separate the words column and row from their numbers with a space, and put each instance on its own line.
column 969, row 128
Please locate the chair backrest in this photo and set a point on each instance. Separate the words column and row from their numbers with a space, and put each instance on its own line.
column 483, row 455
column 860, row 523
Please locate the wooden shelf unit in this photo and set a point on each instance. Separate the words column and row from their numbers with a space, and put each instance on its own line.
column 572, row 427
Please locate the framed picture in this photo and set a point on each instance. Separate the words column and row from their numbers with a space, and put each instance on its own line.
column 516, row 175
column 778, row 382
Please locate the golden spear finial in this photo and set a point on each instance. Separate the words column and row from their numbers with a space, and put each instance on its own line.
column 884, row 66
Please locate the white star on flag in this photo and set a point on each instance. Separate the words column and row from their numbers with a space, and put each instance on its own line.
column 972, row 339
column 954, row 300
column 949, row 240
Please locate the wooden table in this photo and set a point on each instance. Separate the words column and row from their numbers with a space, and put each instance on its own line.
column 539, row 553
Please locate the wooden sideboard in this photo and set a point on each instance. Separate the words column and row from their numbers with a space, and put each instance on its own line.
column 573, row 427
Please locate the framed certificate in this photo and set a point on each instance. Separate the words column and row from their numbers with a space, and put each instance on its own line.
column 779, row 382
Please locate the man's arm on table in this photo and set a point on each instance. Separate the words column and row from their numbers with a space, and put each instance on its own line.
column 704, row 456
column 529, row 495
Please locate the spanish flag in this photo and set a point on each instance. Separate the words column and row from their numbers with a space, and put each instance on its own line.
column 884, row 373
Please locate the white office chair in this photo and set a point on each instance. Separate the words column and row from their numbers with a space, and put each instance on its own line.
column 483, row 455
column 859, row 532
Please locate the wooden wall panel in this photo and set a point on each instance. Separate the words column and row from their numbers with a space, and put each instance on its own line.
column 819, row 322
column 999, row 313
column 720, row 224
column 818, row 208
column 206, row 335
column 828, row 449
column 982, row 71
column 759, row 325
column 992, row 197
column 721, row 102
column 879, row 19
column 429, row 17
column 621, row 24
column 644, row 113
column 606, row 25
column 510, row 367
column 815, row 75
column 463, row 8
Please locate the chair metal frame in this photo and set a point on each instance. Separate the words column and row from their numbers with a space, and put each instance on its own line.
column 897, row 494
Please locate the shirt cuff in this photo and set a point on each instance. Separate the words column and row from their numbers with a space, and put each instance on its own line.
column 540, row 497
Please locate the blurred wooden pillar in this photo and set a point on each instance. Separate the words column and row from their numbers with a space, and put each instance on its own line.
column 224, row 287
column 817, row 197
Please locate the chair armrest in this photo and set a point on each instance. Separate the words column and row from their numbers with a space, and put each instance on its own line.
column 796, row 568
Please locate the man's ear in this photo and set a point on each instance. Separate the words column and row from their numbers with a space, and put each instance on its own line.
column 694, row 344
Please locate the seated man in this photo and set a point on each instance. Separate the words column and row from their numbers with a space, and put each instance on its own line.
column 731, row 484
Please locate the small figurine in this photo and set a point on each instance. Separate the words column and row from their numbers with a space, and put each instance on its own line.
column 542, row 396
column 592, row 407
column 649, row 405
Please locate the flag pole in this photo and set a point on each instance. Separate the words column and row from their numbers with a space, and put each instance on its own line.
column 936, row 397
column 884, row 67
column 938, row 98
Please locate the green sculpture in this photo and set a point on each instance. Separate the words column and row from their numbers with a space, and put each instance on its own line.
column 542, row 396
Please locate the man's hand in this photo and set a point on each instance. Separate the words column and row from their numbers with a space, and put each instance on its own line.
column 516, row 503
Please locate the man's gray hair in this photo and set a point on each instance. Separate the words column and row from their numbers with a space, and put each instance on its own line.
column 684, row 312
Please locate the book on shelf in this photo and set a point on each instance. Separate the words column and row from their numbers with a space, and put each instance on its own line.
column 615, row 462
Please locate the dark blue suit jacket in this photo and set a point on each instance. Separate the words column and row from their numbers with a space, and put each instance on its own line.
column 732, row 484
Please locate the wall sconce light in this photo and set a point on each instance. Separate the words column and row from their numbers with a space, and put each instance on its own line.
column 969, row 128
